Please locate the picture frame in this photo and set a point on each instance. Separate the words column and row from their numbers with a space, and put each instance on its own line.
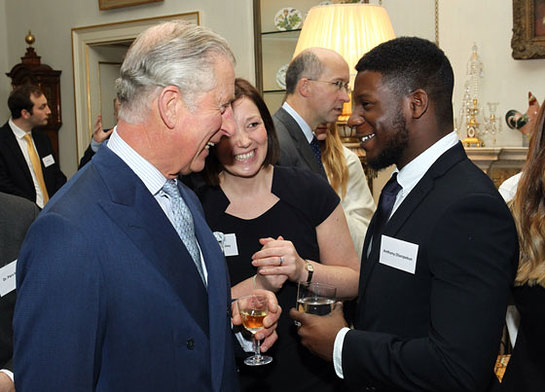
column 528, row 41
column 111, row 4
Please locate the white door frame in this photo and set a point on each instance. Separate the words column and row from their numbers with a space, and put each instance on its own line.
column 85, row 37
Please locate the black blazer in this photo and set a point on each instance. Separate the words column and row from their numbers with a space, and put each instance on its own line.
column 295, row 151
column 15, row 177
column 16, row 215
column 439, row 328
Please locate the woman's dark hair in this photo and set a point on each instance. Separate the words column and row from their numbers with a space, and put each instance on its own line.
column 244, row 89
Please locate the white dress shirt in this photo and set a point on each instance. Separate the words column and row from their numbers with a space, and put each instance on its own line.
column 407, row 177
column 20, row 137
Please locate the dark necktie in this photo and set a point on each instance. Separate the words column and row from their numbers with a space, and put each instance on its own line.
column 385, row 205
column 315, row 145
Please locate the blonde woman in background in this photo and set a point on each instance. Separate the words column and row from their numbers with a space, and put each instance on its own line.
column 526, row 368
column 346, row 176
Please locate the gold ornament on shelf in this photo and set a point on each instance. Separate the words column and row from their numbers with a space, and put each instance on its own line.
column 472, row 127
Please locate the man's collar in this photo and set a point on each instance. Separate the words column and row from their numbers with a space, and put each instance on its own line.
column 17, row 131
column 307, row 131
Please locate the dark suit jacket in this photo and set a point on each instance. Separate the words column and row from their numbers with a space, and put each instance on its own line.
column 438, row 329
column 15, row 177
column 295, row 151
column 109, row 298
column 16, row 215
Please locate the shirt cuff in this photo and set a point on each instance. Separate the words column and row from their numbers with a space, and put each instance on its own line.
column 338, row 352
column 8, row 373
column 95, row 145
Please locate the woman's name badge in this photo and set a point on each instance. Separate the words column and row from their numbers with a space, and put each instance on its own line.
column 398, row 254
column 228, row 243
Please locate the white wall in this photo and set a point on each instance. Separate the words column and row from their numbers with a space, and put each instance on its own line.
column 4, row 64
column 488, row 23
column 51, row 22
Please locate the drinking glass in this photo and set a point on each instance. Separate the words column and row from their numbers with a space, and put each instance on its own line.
column 316, row 298
column 253, row 309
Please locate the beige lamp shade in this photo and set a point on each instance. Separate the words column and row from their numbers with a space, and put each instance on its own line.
column 350, row 29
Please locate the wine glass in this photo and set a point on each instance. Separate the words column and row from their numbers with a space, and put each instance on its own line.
column 253, row 309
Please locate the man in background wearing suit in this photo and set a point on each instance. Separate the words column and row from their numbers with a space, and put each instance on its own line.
column 16, row 215
column 316, row 89
column 121, row 285
column 28, row 166
column 441, row 250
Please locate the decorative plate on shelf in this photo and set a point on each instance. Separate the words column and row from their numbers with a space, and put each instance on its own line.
column 288, row 19
column 281, row 76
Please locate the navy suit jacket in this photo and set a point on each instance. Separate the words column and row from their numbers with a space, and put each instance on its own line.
column 15, row 177
column 109, row 298
column 295, row 150
column 438, row 329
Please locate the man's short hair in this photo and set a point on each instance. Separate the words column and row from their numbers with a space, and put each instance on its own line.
column 305, row 65
column 19, row 99
column 175, row 53
column 410, row 63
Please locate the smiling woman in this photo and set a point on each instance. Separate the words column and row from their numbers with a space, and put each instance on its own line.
column 281, row 225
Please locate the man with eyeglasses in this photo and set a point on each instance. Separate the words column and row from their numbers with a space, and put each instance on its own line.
column 316, row 89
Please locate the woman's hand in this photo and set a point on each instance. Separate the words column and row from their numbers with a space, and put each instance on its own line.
column 278, row 258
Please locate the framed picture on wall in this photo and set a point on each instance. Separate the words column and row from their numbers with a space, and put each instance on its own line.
column 528, row 40
column 110, row 4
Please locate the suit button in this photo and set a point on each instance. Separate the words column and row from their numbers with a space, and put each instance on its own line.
column 190, row 344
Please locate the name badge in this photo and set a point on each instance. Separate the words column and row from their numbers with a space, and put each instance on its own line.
column 48, row 160
column 398, row 254
column 230, row 247
column 7, row 278
column 227, row 242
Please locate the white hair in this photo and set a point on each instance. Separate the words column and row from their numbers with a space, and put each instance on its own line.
column 175, row 53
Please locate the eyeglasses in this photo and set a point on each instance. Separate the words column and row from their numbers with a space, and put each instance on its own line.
column 340, row 85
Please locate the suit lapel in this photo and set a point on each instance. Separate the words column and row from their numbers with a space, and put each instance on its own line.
column 13, row 145
column 300, row 141
column 404, row 211
column 140, row 217
column 218, row 288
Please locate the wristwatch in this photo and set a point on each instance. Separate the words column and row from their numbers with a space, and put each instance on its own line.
column 310, row 270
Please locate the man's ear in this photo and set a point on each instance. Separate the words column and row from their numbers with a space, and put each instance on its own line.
column 303, row 87
column 418, row 103
column 169, row 103
column 25, row 114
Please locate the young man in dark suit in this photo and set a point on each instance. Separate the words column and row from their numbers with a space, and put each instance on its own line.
column 28, row 165
column 441, row 251
column 16, row 215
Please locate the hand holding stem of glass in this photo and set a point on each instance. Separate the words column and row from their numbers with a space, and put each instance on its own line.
column 253, row 309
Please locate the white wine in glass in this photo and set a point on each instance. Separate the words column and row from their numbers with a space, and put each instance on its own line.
column 253, row 309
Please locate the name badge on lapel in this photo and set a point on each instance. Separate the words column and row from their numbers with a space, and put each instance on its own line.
column 7, row 278
column 48, row 160
column 398, row 254
column 228, row 243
